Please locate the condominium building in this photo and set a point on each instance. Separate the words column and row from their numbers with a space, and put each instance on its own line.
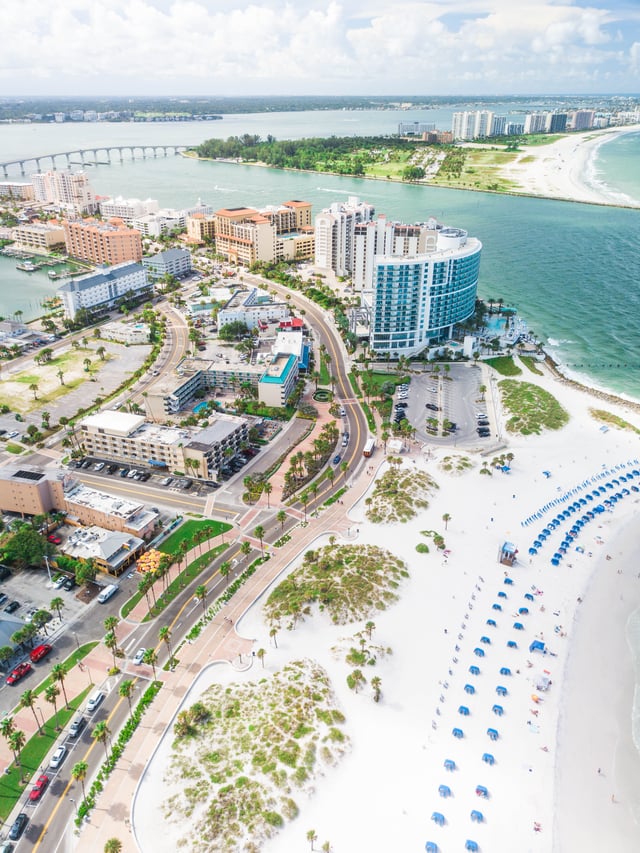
column 476, row 124
column 127, row 209
column 164, row 221
column 244, row 235
column 581, row 120
column 102, row 242
column 535, row 123
column 100, row 291
column 415, row 128
column 130, row 439
column 19, row 190
column 201, row 227
column 556, row 122
column 335, row 228
column 39, row 237
column 418, row 299
column 382, row 237
column 176, row 262
column 69, row 191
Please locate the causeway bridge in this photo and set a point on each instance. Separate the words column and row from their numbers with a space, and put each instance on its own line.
column 99, row 156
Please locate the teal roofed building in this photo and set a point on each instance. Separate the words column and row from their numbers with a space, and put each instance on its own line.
column 279, row 380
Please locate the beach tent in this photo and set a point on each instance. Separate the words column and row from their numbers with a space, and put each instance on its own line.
column 488, row 758
column 471, row 845
column 481, row 791
column 458, row 733
column 485, row 640
column 501, row 691
column 491, row 622
column 533, row 551
column 476, row 816
column 444, row 791
column 463, row 710
column 518, row 626
column 528, row 596
column 537, row 646
column 537, row 543
column 502, row 594
column 431, row 847
column 449, row 764
column 555, row 561
column 479, row 652
column 438, row 818
column 511, row 644
column 496, row 607
column 493, row 734
column 523, row 611
column 498, row 709
column 470, row 689
column 508, row 581
column 504, row 670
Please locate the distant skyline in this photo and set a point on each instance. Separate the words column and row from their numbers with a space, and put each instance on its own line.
column 210, row 47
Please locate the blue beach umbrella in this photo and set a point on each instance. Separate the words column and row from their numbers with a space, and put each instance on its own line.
column 431, row 847
column 511, row 644
column 444, row 791
column 504, row 670
column 458, row 733
column 528, row 596
column 493, row 734
column 470, row 689
column 474, row 670
column 488, row 758
column 449, row 764
column 501, row 691
column 478, row 652
column 491, row 622
column 502, row 594
column 476, row 816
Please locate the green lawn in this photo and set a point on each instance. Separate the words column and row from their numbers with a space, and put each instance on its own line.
column 186, row 531
column 505, row 365
column 325, row 377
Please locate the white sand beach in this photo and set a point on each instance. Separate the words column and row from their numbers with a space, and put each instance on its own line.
column 565, row 772
column 564, row 169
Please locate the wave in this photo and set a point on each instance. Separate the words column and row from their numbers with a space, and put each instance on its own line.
column 554, row 342
column 594, row 176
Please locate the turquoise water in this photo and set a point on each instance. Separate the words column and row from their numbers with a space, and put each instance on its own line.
column 572, row 270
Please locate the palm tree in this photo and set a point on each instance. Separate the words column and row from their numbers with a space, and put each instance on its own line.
column 56, row 604
column 376, row 682
column 267, row 488
column 7, row 727
column 87, row 364
column 259, row 534
column 101, row 732
column 60, row 375
column 184, row 547
column 111, row 642
column 150, row 657
column 17, row 741
column 260, row 654
column 344, row 467
column 101, row 352
column 245, row 548
column 59, row 673
column 304, row 497
column 113, row 845
column 34, row 388
column 51, row 694
column 111, row 623
column 126, row 691
column 273, row 633
column 201, row 595
column 370, row 628
column 28, row 700
column 311, row 835
column 164, row 634
column 281, row 517
column 446, row 518
column 79, row 774
column 225, row 568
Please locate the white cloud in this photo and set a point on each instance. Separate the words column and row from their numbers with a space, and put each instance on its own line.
column 230, row 47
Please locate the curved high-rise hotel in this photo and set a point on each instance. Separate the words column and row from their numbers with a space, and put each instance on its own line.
column 417, row 299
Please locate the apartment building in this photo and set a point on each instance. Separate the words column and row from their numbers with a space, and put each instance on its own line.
column 130, row 439
column 382, row 237
column 278, row 381
column 39, row 237
column 69, row 191
column 100, row 291
column 102, row 242
column 334, row 234
column 244, row 235
column 18, row 190
column 176, row 262
column 127, row 209
column 201, row 227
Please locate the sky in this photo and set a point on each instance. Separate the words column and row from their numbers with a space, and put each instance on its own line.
column 296, row 47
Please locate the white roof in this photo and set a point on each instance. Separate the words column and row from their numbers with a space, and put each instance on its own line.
column 121, row 423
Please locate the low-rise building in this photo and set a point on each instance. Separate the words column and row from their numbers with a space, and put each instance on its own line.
column 26, row 490
column 130, row 439
column 85, row 505
column 109, row 550
column 39, row 237
column 252, row 308
column 278, row 381
column 201, row 227
column 100, row 291
column 164, row 221
column 176, row 262
column 293, row 342
column 127, row 333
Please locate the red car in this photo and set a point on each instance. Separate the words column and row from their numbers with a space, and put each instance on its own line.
column 55, row 539
column 39, row 652
column 39, row 788
column 19, row 672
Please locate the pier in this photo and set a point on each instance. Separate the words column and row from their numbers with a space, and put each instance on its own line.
column 92, row 156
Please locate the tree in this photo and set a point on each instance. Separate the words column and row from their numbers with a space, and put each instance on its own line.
column 113, row 845
column 34, row 388
column 125, row 690
column 26, row 547
column 376, row 682
column 28, row 700
column 79, row 774
column 101, row 352
column 259, row 534
column 7, row 727
column 60, row 375
column 87, row 364
column 17, row 741
column 201, row 595
column 245, row 548
column 446, row 518
column 164, row 634
column 150, row 657
column 51, row 694
column 225, row 568
column 59, row 673
column 370, row 628
column 356, row 679
column 111, row 642
column 304, row 497
column 344, row 467
column 273, row 633
column 312, row 837
column 267, row 488
column 40, row 619
column 111, row 623
column 281, row 517
column 101, row 733
column 260, row 654
column 57, row 604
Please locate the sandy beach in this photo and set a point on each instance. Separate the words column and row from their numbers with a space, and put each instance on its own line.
column 562, row 773
column 564, row 169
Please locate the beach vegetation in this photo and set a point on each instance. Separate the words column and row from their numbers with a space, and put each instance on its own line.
column 531, row 364
column 233, row 775
column 532, row 409
column 505, row 365
column 438, row 539
column 455, row 464
column 422, row 548
column 349, row 582
column 398, row 495
column 613, row 420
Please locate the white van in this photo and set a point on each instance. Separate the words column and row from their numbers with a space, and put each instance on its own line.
column 95, row 701
column 107, row 592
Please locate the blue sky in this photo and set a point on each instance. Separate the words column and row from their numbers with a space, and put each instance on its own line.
column 217, row 47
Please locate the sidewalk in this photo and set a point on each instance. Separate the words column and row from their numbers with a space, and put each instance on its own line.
column 217, row 642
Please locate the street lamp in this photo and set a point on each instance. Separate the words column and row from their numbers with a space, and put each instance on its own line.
column 75, row 807
column 38, row 708
column 76, row 639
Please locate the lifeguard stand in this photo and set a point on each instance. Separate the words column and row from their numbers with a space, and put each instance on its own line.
column 507, row 555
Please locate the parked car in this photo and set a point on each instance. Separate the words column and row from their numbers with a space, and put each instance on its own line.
column 18, row 826
column 39, row 788
column 336, row 459
column 13, row 433
column 124, row 472
column 5, row 572
column 69, row 584
column 7, row 847
column 30, row 614
column 12, row 607
column 432, row 407
column 139, row 656
column 111, row 469
column 19, row 672
column 98, row 466
column 39, row 652
column 145, row 476
column 95, row 701
column 77, row 725
column 58, row 582
column 58, row 757
column 166, row 481
column 56, row 540
column 3, row 598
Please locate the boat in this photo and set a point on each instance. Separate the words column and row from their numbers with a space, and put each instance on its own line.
column 53, row 274
column 27, row 266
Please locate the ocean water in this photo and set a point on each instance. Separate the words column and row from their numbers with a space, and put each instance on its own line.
column 571, row 270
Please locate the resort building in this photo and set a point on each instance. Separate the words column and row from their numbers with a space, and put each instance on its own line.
column 130, row 439
column 477, row 124
column 175, row 262
column 127, row 209
column 252, row 308
column 201, row 227
column 244, row 235
column 164, row 221
column 335, row 228
column 110, row 551
column 39, row 237
column 127, row 333
column 417, row 299
column 18, row 190
column 382, row 237
column 100, row 291
column 278, row 381
column 102, row 242
column 68, row 191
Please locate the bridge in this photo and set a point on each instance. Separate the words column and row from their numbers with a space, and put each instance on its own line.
column 90, row 156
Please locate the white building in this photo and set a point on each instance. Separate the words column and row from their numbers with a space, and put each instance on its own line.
column 127, row 209
column 101, row 290
column 252, row 308
column 382, row 237
column 68, row 191
column 334, row 234
column 535, row 123
column 127, row 333
column 164, row 221
column 278, row 381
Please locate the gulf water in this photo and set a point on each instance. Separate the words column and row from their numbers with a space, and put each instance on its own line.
column 572, row 270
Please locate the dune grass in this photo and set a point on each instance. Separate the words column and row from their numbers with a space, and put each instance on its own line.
column 532, row 408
